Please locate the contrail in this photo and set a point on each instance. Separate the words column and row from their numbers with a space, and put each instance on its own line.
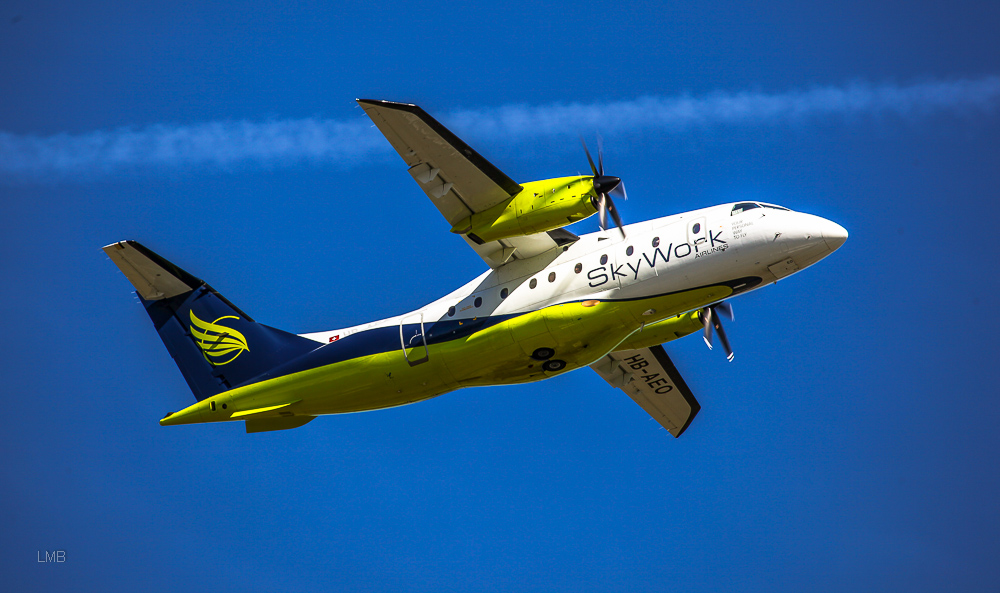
column 679, row 114
column 291, row 142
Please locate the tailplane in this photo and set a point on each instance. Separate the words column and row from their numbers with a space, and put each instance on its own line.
column 215, row 344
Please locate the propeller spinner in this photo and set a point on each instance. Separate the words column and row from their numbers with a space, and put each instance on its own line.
column 604, row 186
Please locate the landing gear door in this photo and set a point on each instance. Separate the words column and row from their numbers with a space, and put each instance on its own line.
column 413, row 340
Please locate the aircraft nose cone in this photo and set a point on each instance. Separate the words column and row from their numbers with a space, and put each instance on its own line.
column 833, row 234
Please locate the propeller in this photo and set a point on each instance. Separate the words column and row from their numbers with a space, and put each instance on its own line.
column 604, row 186
column 710, row 319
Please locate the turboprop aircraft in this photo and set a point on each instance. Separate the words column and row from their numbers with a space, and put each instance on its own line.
column 551, row 301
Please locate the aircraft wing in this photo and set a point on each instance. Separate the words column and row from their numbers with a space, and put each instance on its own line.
column 456, row 178
column 650, row 378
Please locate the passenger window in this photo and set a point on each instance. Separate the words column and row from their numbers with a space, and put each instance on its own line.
column 533, row 283
column 451, row 311
column 578, row 268
column 479, row 302
column 552, row 276
column 696, row 228
column 656, row 241
column 504, row 293
column 604, row 259
column 628, row 250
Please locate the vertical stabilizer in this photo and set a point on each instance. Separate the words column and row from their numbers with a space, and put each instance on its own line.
column 216, row 345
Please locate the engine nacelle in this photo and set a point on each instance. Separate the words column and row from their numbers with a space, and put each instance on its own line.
column 663, row 331
column 541, row 206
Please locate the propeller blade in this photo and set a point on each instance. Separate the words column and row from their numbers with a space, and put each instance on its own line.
column 600, row 153
column 619, row 190
column 589, row 158
column 722, row 338
column 602, row 209
column 711, row 318
column 614, row 215
column 706, row 320
column 726, row 309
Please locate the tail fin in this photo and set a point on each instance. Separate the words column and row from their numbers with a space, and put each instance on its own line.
column 215, row 344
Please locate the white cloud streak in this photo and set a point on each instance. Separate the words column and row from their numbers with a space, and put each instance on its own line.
column 679, row 114
column 291, row 142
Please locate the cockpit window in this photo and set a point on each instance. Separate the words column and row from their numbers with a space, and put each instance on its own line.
column 743, row 207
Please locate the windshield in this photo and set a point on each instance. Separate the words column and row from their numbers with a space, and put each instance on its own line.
column 744, row 206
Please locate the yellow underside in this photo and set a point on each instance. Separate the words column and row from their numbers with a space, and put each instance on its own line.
column 580, row 334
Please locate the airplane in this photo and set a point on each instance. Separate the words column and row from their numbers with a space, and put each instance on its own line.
column 550, row 302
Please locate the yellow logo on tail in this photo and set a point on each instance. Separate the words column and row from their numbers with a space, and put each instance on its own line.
column 219, row 344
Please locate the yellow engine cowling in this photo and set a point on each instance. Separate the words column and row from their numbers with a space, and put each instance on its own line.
column 664, row 331
column 541, row 206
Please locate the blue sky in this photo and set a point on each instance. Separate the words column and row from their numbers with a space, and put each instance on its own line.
column 851, row 445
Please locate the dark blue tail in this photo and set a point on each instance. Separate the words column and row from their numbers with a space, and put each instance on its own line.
column 215, row 344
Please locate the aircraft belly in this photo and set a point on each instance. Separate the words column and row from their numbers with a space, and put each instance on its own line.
column 388, row 381
column 365, row 383
column 579, row 333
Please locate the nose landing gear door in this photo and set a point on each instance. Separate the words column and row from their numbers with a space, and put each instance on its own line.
column 413, row 340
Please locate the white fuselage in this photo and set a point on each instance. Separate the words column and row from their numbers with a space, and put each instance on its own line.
column 659, row 256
